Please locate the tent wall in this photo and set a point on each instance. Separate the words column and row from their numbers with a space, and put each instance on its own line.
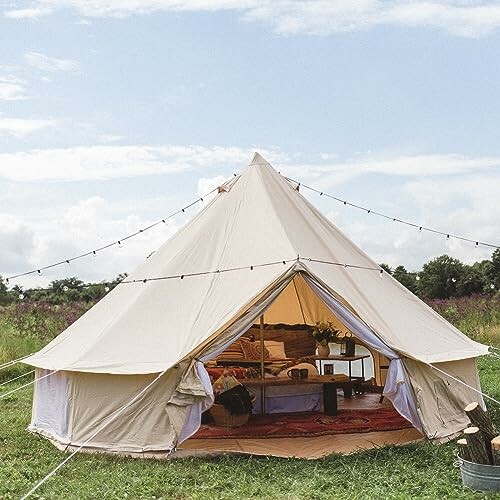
column 51, row 407
column 441, row 400
column 298, row 304
column 85, row 402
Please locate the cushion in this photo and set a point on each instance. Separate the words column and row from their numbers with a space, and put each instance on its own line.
column 251, row 350
column 234, row 351
column 276, row 349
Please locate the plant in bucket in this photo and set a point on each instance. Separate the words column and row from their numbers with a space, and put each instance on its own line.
column 324, row 333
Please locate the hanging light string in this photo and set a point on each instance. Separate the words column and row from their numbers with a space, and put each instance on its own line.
column 420, row 227
column 107, row 285
column 182, row 210
column 112, row 244
column 65, row 288
column 111, row 418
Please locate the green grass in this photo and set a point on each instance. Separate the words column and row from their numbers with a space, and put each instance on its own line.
column 415, row 471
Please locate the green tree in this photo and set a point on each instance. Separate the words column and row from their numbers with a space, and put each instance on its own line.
column 470, row 281
column 439, row 277
column 386, row 268
column 4, row 293
column 407, row 279
column 493, row 273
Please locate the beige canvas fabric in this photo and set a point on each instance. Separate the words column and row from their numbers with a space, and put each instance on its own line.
column 441, row 400
column 261, row 218
column 140, row 329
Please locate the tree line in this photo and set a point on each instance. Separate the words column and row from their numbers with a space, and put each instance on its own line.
column 440, row 278
column 61, row 291
column 445, row 277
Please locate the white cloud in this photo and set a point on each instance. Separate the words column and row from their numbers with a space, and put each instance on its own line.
column 431, row 165
column 17, row 242
column 46, row 63
column 27, row 13
column 12, row 88
column 468, row 18
column 88, row 224
column 109, row 162
column 20, row 127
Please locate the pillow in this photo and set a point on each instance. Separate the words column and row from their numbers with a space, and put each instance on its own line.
column 276, row 349
column 251, row 350
column 232, row 352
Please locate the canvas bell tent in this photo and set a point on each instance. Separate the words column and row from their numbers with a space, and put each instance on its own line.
column 270, row 253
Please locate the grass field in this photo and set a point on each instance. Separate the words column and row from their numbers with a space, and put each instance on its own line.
column 414, row 471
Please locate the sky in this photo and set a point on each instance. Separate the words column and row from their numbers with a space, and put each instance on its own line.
column 116, row 113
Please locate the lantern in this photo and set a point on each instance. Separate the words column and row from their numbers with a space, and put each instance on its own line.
column 348, row 345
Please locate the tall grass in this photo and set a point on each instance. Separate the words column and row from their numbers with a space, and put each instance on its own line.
column 478, row 316
column 26, row 327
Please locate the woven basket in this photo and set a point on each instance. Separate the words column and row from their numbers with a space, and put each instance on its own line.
column 223, row 418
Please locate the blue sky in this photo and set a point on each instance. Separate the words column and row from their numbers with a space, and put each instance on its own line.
column 113, row 114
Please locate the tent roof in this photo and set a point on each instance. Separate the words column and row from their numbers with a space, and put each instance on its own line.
column 259, row 218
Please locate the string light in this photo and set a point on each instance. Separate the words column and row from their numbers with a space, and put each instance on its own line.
column 114, row 243
column 204, row 273
column 401, row 221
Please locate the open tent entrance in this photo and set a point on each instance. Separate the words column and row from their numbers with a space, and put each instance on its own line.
column 337, row 406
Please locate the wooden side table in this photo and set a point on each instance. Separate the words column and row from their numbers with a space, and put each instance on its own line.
column 349, row 359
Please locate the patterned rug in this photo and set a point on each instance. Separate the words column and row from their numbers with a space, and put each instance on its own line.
column 309, row 424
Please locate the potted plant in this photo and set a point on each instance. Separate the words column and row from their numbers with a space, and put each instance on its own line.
column 324, row 333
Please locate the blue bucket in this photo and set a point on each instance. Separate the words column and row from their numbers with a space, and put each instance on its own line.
column 479, row 476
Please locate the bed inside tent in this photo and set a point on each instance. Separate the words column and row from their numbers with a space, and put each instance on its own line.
column 304, row 403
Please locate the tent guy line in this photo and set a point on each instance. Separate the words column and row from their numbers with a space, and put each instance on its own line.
column 420, row 227
column 14, row 361
column 16, row 378
column 464, row 383
column 26, row 385
column 111, row 417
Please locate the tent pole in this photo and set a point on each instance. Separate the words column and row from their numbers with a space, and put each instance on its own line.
column 262, row 388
